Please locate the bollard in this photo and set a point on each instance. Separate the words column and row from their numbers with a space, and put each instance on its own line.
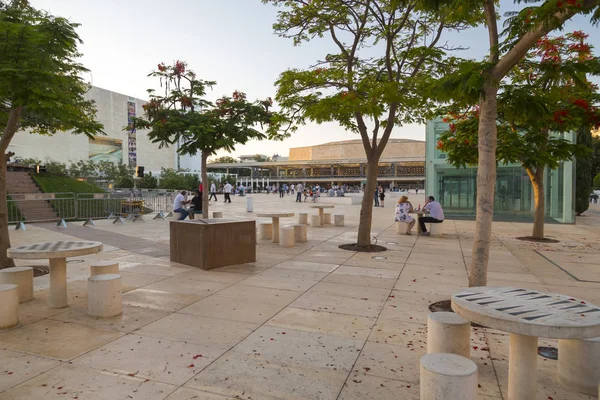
column 249, row 204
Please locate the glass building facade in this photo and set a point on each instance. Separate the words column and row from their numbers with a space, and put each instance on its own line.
column 456, row 188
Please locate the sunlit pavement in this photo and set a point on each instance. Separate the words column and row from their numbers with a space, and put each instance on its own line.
column 309, row 322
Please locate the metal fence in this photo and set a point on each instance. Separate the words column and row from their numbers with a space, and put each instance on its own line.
column 61, row 207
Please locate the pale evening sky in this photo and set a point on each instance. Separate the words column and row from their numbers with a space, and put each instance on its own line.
column 228, row 41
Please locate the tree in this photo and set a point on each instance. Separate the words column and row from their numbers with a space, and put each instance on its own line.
column 182, row 115
column 381, row 51
column 83, row 169
column 597, row 181
column 548, row 95
column 40, row 86
column 148, row 182
column 224, row 160
column 523, row 30
column 262, row 158
column 595, row 156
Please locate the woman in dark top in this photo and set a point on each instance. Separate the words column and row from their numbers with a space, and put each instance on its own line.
column 382, row 196
column 196, row 207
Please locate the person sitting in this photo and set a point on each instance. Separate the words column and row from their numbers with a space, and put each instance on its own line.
column 178, row 204
column 436, row 214
column 196, row 207
column 403, row 208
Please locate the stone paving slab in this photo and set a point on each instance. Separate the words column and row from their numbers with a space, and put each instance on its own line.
column 344, row 326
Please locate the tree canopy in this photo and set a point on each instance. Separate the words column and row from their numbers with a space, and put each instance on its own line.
column 182, row 116
column 41, row 89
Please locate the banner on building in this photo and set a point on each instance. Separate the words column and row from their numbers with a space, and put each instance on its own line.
column 106, row 149
column 131, row 135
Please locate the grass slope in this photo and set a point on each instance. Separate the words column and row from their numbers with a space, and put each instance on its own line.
column 50, row 183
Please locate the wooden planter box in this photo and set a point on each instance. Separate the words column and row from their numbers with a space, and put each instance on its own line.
column 213, row 243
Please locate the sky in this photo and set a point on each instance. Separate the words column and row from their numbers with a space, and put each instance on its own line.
column 227, row 41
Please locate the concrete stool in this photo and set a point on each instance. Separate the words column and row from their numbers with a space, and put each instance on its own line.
column 435, row 230
column 327, row 218
column 217, row 214
column 103, row 268
column 579, row 364
column 286, row 236
column 402, row 227
column 315, row 221
column 303, row 218
column 22, row 277
column 448, row 377
column 338, row 219
column 265, row 230
column 9, row 311
column 300, row 233
column 104, row 295
column 176, row 216
column 448, row 332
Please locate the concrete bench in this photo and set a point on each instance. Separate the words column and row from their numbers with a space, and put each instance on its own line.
column 448, row 377
column 448, row 332
column 402, row 227
column 303, row 218
column 338, row 219
column 315, row 221
column 104, row 296
column 22, row 277
column 217, row 214
column 9, row 311
column 579, row 364
column 103, row 268
column 300, row 233
column 436, row 230
column 265, row 230
column 287, row 236
column 327, row 218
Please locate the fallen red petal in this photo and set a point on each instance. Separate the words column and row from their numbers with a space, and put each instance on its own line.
column 191, row 366
column 197, row 356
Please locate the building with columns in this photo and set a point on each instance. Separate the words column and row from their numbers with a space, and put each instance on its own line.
column 402, row 166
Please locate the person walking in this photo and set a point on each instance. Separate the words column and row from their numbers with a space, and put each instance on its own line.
column 436, row 214
column 376, row 197
column 227, row 190
column 382, row 196
column 299, row 189
column 213, row 191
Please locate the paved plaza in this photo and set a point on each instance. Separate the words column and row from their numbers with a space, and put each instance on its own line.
column 308, row 322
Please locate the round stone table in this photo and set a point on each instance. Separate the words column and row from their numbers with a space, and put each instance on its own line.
column 527, row 314
column 419, row 214
column 57, row 253
column 321, row 212
column 275, row 217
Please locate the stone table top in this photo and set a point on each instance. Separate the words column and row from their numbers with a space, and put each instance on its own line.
column 528, row 312
column 322, row 206
column 275, row 215
column 62, row 249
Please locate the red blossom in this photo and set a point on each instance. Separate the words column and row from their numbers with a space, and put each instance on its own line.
column 180, row 67
column 162, row 67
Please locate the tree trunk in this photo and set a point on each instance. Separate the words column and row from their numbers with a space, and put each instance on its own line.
column 537, row 181
column 486, row 182
column 5, row 262
column 205, row 184
column 9, row 131
column 366, row 208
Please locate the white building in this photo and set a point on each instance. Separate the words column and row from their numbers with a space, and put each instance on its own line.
column 119, row 146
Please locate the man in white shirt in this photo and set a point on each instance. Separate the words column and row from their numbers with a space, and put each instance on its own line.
column 299, row 189
column 227, row 190
column 178, row 205
column 213, row 191
column 436, row 214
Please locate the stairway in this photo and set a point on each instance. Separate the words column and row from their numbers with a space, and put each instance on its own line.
column 18, row 182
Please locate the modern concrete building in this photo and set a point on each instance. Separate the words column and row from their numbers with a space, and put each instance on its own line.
column 402, row 165
column 118, row 145
column 456, row 188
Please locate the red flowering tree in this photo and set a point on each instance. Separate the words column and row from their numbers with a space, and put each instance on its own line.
column 181, row 115
column 547, row 95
